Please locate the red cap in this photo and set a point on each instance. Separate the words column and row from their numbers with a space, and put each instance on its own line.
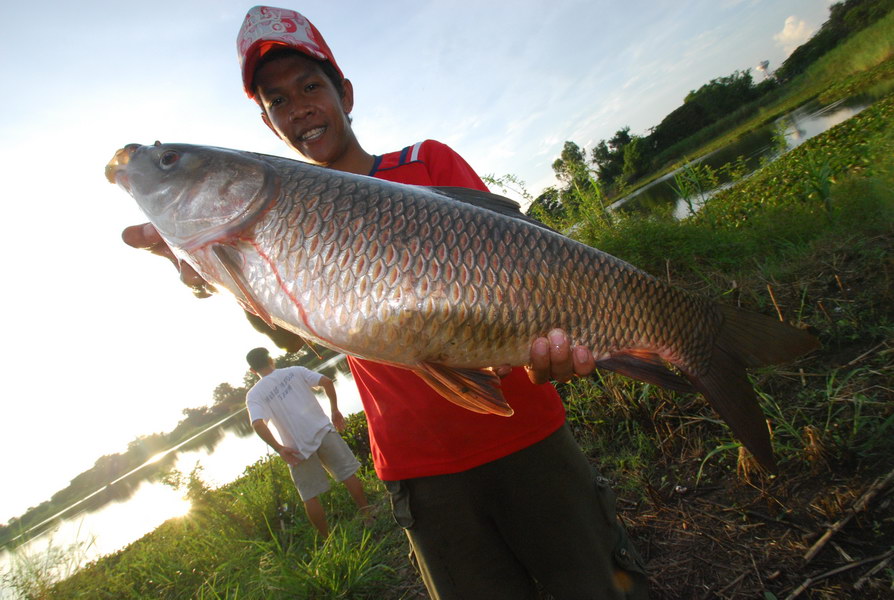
column 266, row 28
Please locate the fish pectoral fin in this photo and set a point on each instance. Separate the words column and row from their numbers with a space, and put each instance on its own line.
column 646, row 366
column 228, row 258
column 477, row 390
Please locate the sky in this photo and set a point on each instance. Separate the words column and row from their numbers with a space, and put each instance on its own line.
column 101, row 343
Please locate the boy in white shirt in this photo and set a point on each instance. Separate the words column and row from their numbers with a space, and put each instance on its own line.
column 309, row 443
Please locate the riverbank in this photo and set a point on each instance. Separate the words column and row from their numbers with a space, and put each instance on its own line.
column 863, row 64
column 809, row 236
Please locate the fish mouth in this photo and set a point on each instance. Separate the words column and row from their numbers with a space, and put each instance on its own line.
column 116, row 170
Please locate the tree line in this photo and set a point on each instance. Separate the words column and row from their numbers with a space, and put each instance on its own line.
column 613, row 166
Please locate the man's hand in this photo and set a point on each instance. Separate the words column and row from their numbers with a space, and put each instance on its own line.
column 146, row 237
column 290, row 455
column 552, row 357
column 338, row 420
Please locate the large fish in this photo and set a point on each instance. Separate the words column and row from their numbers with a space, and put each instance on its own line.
column 443, row 281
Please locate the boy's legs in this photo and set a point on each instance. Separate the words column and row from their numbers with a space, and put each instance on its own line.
column 337, row 458
column 311, row 481
column 541, row 512
column 355, row 488
column 455, row 547
column 317, row 516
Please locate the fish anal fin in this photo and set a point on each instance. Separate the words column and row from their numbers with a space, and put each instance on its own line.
column 645, row 365
column 229, row 261
column 477, row 390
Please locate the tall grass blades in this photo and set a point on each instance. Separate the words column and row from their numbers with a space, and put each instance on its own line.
column 693, row 183
column 31, row 575
column 340, row 567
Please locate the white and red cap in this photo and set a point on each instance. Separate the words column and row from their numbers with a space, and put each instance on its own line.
column 266, row 28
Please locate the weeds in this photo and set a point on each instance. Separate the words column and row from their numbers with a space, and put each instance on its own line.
column 693, row 184
column 340, row 567
column 31, row 575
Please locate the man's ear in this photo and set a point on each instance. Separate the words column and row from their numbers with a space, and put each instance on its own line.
column 347, row 99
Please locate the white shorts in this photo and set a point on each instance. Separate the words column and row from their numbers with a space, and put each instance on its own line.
column 333, row 456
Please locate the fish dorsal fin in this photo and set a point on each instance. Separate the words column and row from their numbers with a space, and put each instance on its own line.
column 228, row 258
column 492, row 202
column 477, row 390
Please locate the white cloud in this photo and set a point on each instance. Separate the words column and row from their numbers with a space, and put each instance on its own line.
column 794, row 33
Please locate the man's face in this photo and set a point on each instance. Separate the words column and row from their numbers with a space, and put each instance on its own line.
column 304, row 109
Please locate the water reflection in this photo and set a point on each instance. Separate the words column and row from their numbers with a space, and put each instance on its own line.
column 137, row 502
column 764, row 144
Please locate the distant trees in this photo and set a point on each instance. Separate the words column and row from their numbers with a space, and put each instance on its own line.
column 845, row 19
column 705, row 106
column 615, row 163
column 558, row 206
column 111, row 467
column 609, row 156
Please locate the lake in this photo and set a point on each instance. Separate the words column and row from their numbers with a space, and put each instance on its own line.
column 762, row 145
column 223, row 452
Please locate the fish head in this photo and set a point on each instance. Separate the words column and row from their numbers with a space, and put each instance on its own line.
column 194, row 195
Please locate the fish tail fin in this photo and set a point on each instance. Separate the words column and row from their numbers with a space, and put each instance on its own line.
column 745, row 340
column 757, row 340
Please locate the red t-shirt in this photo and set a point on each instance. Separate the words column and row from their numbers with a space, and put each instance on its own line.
column 413, row 430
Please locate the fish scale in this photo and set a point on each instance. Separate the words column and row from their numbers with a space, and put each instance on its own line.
column 442, row 281
column 351, row 223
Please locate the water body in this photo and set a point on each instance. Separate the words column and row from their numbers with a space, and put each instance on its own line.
column 136, row 503
column 765, row 144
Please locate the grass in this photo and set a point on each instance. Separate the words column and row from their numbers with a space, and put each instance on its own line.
column 809, row 236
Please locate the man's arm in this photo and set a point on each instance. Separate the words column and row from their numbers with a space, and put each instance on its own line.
column 290, row 455
column 329, row 387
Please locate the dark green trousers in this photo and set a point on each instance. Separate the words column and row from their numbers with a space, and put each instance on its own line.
column 540, row 514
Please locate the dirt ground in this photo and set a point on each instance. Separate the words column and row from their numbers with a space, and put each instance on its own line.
column 746, row 540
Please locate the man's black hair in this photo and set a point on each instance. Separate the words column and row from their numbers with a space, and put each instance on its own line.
column 257, row 358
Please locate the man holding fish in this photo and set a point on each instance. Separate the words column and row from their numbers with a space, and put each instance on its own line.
column 490, row 504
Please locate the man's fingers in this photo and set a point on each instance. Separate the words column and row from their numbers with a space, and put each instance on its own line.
column 143, row 236
column 560, row 355
column 502, row 371
column 539, row 371
column 146, row 237
column 584, row 363
column 553, row 357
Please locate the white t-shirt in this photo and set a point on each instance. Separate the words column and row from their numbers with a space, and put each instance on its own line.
column 285, row 398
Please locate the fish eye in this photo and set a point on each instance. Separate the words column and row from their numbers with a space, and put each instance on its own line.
column 168, row 159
